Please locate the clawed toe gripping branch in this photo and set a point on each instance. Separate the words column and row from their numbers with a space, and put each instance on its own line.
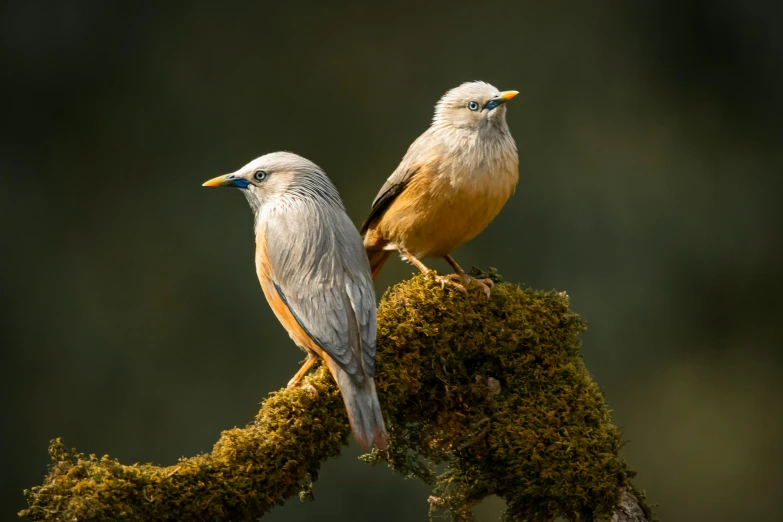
column 494, row 389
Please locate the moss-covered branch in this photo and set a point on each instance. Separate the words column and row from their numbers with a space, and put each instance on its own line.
column 495, row 389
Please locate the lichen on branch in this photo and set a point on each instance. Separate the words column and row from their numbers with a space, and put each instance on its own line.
column 493, row 389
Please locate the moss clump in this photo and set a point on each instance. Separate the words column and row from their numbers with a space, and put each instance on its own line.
column 497, row 390
column 493, row 393
column 248, row 472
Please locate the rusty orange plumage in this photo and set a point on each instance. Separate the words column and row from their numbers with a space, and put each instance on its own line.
column 452, row 182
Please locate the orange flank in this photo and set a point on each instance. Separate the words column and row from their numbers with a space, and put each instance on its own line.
column 281, row 310
column 435, row 213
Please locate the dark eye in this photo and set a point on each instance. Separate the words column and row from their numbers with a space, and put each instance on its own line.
column 260, row 175
column 473, row 106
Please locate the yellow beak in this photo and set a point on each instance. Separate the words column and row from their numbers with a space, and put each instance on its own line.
column 226, row 180
column 506, row 95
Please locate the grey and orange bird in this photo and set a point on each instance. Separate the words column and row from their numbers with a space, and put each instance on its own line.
column 450, row 185
column 316, row 277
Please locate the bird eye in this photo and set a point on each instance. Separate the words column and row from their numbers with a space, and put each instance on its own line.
column 473, row 106
column 260, row 175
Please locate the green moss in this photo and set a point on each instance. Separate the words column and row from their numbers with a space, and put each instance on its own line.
column 248, row 472
column 482, row 397
column 497, row 390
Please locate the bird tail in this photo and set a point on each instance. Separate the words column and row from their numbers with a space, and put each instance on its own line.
column 375, row 246
column 364, row 411
column 377, row 259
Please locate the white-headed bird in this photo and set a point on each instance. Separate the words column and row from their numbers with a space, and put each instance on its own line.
column 316, row 277
column 450, row 185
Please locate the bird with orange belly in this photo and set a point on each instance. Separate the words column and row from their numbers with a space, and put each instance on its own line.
column 452, row 182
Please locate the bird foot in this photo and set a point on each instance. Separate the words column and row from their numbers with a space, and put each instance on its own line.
column 448, row 280
column 309, row 387
column 485, row 283
column 297, row 384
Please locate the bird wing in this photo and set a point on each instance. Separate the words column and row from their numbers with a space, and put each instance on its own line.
column 321, row 273
column 417, row 159
column 390, row 190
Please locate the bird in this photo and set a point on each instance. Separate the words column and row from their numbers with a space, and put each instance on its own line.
column 452, row 182
column 316, row 278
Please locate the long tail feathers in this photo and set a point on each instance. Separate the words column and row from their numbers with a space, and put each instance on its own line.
column 364, row 412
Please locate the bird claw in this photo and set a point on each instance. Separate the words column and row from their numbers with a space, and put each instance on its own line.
column 309, row 387
column 448, row 280
column 485, row 283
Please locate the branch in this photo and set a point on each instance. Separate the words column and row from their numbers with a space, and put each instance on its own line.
column 494, row 389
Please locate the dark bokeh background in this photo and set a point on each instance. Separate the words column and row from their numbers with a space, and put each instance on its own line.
column 650, row 161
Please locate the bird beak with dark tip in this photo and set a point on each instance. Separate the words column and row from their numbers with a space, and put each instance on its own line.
column 500, row 98
column 227, row 180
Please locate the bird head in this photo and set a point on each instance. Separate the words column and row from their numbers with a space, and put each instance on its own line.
column 275, row 177
column 472, row 106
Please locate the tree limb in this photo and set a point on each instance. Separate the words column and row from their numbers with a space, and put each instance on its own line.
column 495, row 389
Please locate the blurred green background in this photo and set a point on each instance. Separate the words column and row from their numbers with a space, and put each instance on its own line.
column 650, row 160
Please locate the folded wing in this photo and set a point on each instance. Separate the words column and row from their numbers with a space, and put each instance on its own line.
column 321, row 272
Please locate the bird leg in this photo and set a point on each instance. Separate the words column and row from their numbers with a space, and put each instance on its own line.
column 311, row 358
column 443, row 280
column 485, row 283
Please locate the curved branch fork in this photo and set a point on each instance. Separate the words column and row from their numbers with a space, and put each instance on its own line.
column 494, row 388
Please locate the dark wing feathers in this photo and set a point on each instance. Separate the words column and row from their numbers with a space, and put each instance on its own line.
column 418, row 156
column 390, row 190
